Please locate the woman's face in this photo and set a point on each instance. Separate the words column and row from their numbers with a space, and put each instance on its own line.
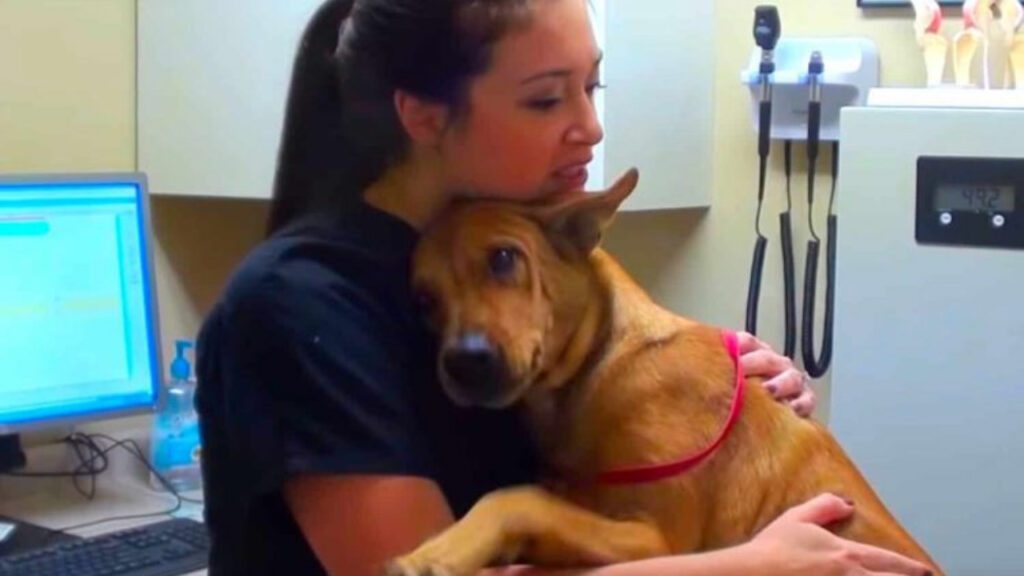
column 530, row 127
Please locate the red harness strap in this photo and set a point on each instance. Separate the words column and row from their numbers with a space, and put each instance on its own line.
column 654, row 473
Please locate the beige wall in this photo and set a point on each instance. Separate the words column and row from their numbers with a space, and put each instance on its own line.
column 67, row 77
column 68, row 105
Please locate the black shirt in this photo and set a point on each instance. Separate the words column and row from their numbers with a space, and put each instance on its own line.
column 314, row 361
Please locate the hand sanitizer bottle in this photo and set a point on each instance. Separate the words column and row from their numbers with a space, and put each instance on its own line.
column 175, row 444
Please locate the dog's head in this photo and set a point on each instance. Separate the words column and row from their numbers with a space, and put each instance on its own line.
column 505, row 286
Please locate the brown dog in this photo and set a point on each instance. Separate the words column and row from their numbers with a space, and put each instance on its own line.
column 532, row 313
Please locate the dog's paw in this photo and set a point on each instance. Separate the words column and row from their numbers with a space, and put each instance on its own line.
column 411, row 566
column 462, row 550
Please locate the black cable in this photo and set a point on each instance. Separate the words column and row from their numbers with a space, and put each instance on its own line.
column 815, row 365
column 760, row 247
column 133, row 448
column 96, row 461
column 763, row 177
column 94, row 453
column 835, row 177
column 91, row 464
column 789, row 175
column 168, row 512
column 788, row 259
column 811, row 176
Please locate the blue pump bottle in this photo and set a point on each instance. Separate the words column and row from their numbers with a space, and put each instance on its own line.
column 175, row 442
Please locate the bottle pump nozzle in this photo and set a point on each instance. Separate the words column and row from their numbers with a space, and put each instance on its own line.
column 181, row 369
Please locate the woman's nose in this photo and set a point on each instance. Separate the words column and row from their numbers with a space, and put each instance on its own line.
column 586, row 128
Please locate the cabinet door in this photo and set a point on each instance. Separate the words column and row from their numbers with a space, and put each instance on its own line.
column 659, row 111
column 213, row 76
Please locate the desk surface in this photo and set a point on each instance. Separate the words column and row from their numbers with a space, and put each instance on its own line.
column 122, row 490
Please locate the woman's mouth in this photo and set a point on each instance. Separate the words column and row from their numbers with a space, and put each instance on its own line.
column 573, row 177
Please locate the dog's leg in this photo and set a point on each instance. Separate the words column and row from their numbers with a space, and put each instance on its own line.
column 532, row 526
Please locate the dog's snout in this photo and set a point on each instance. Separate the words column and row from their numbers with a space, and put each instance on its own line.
column 474, row 363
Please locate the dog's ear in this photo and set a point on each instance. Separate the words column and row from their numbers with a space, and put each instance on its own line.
column 583, row 219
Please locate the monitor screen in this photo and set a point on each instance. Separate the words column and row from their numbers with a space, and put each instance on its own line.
column 78, row 333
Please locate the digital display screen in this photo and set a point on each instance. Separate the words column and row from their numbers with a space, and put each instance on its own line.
column 76, row 336
column 975, row 198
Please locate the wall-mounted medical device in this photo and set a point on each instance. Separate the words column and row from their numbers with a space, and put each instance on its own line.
column 798, row 87
column 851, row 70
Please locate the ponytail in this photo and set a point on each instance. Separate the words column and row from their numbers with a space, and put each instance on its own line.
column 312, row 140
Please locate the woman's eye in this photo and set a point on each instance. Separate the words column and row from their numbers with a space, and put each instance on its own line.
column 502, row 262
column 593, row 88
column 544, row 104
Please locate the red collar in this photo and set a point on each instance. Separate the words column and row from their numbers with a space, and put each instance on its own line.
column 654, row 473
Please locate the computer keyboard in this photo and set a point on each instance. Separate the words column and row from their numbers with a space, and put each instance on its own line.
column 168, row 548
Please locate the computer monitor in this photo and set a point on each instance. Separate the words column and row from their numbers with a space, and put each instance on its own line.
column 79, row 338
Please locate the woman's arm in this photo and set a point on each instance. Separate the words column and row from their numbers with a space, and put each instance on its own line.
column 722, row 563
column 796, row 544
column 355, row 524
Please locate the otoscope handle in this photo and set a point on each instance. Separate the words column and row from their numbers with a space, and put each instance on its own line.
column 764, row 136
column 815, row 68
column 814, row 139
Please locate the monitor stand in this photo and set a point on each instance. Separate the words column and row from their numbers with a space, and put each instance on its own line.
column 12, row 456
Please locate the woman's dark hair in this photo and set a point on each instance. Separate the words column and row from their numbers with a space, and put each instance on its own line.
column 341, row 129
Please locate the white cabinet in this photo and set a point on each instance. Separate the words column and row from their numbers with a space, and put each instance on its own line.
column 213, row 77
column 659, row 110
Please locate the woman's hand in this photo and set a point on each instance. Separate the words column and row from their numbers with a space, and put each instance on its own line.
column 784, row 381
column 797, row 544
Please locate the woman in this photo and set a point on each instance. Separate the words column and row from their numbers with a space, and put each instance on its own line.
column 328, row 446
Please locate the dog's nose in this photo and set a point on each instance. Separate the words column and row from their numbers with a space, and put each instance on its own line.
column 474, row 363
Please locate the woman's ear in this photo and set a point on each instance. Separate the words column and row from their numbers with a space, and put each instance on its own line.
column 423, row 121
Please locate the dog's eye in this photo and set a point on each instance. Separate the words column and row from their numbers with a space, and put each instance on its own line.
column 502, row 262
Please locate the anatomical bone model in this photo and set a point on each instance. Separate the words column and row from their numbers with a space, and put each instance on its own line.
column 1012, row 24
column 979, row 18
column 934, row 46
